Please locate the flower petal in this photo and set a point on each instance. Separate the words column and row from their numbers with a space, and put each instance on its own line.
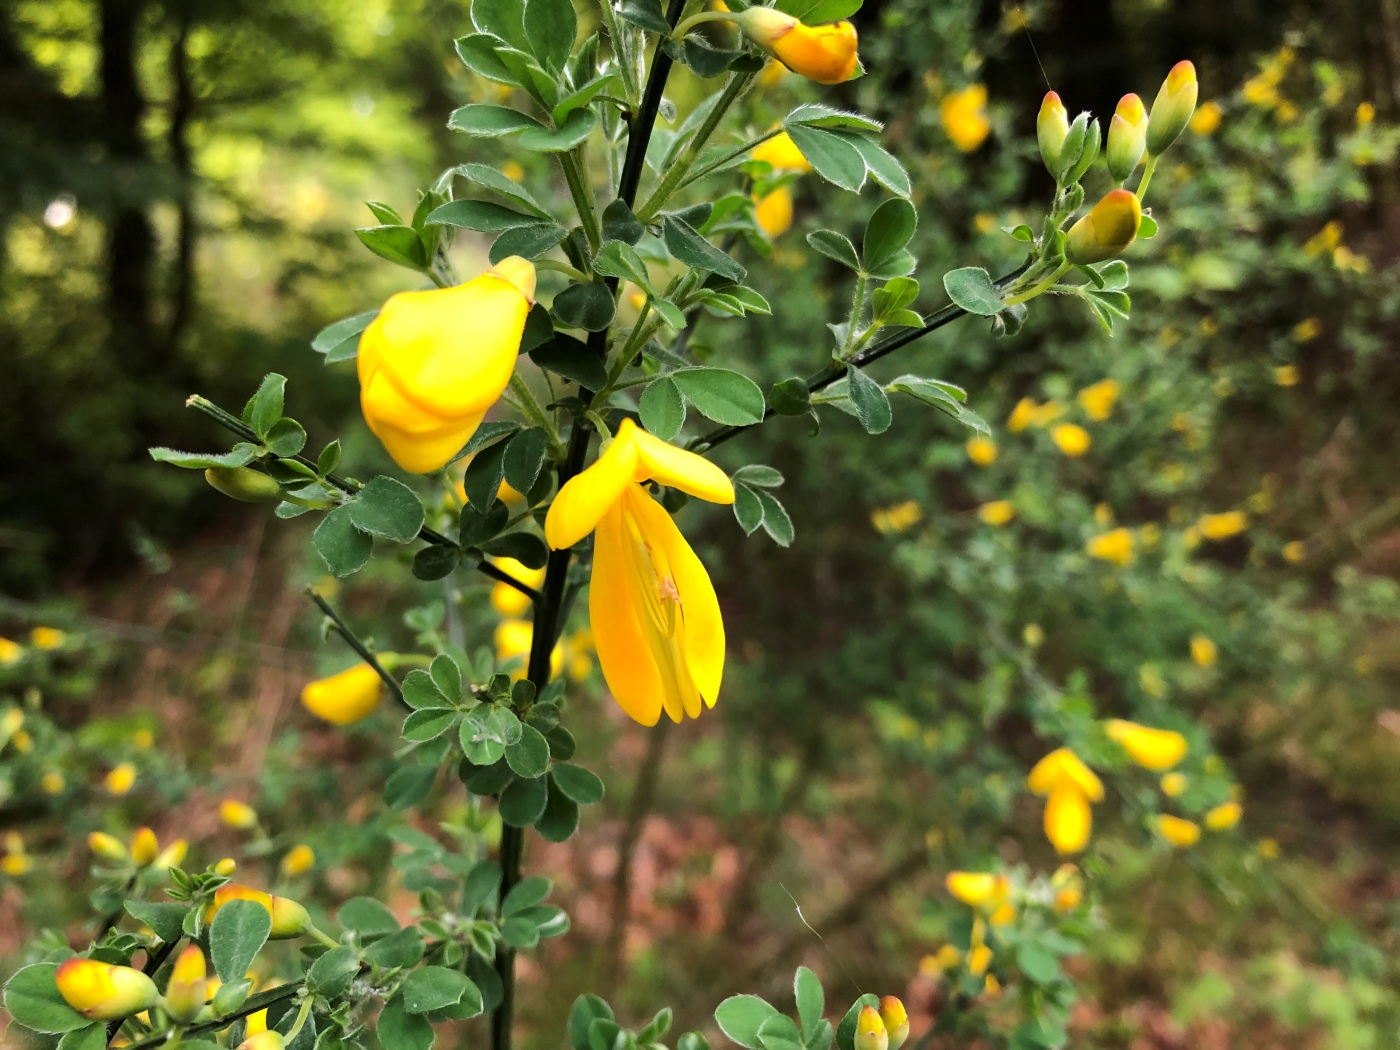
column 678, row 468
column 624, row 653
column 1068, row 819
column 586, row 498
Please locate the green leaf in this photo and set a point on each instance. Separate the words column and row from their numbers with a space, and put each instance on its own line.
column 330, row 337
column 835, row 246
column 242, row 454
column 811, row 1000
column 889, row 230
column 344, row 548
column 484, row 216
column 775, row 518
column 528, row 242
column 1114, row 275
column 502, row 19
column 367, row 916
column 780, row 1033
column 236, row 936
column 971, row 288
column 400, row 948
column 566, row 136
column 529, row 756
column 489, row 178
column 900, row 264
column 525, row 894
column 524, row 458
column 1147, row 228
column 491, row 121
column 524, row 547
column 478, row 53
column 759, row 476
column 741, row 1016
column 523, row 801
column 475, row 527
column 835, row 156
column 621, row 224
column 580, row 784
column 398, row 1029
column 1116, row 302
column 584, row 95
column 398, row 244
column 588, row 306
column 32, row 999
column 748, row 509
column 166, row 920
column 559, row 820
column 586, row 1010
column 331, row 974
column 93, row 1037
column 420, row 692
column 264, row 409
column 669, row 311
column 550, row 27
column 790, row 397
column 882, row 165
column 816, row 115
column 1038, row 965
column 389, row 509
column 725, row 396
column 662, row 409
column 818, row 12
column 569, row 357
column 871, row 405
column 428, row 724
column 483, row 476
column 619, row 259
column 408, row 785
column 688, row 245
column 648, row 15
column 435, row 562
column 432, row 988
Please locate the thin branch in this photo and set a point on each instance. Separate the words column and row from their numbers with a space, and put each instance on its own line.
column 360, row 648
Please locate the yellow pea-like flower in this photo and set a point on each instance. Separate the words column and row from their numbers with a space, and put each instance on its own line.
column 108, row 847
column 1173, row 108
column 299, row 860
column 188, row 989
column 1071, row 786
column 997, row 513
column 982, row 451
column 433, row 362
column 1224, row 525
column 47, row 638
column 773, row 212
column 11, row 652
column 514, row 639
column 1107, row 231
column 505, row 599
column 782, row 153
column 1063, row 766
column 870, row 1030
column 1071, row 439
column 896, row 1020
column 1154, row 749
column 238, row 814
column 1127, row 137
column 52, row 782
column 977, row 888
column 1174, row 785
column 264, row 1040
column 964, row 117
column 171, row 856
column 289, row 919
column 1051, row 130
column 121, row 779
column 1116, row 546
column 1097, row 399
column 1203, row 650
column 1224, row 816
column 1206, row 118
column 343, row 698
column 144, row 847
column 655, row 618
column 826, row 54
column 103, row 991
column 1179, row 832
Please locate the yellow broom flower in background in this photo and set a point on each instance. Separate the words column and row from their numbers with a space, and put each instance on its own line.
column 982, row 451
column 1174, row 785
column 505, row 599
column 299, row 860
column 343, row 698
column 964, row 117
column 978, row 889
column 782, row 153
column 121, row 779
column 655, row 618
column 238, row 814
column 47, row 638
column 996, row 513
column 1203, row 651
column 1179, row 832
column 773, row 212
column 102, row 991
column 1070, row 786
column 1224, row 816
column 1115, row 546
column 1223, row 526
column 897, row 518
column 433, row 362
column 1154, row 749
column 11, row 652
column 1097, row 400
column 1072, row 439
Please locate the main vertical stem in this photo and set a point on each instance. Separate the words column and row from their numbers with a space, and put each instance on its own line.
column 550, row 604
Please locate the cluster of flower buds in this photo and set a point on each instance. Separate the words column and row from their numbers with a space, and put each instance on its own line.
column 144, row 851
column 885, row 1028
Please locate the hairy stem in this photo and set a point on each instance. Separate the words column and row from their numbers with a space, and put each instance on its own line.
column 576, row 175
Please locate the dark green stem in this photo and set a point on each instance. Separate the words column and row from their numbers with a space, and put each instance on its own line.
column 354, row 642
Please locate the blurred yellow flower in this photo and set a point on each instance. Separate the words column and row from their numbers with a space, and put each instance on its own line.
column 172, row 855
column 1180, row 833
column 773, row 212
column 47, row 638
column 1365, row 114
column 1324, row 240
column 10, row 652
column 52, row 782
column 15, row 862
column 505, row 599
column 964, row 116
column 238, row 814
column 108, row 847
column 1004, row 915
column 1174, row 784
column 512, row 170
column 1033, row 635
column 1097, row 400
column 1286, row 375
column 1068, row 885
column 1154, row 749
column 1203, row 650
column 978, row 959
column 1047, row 413
column 1116, row 546
column 991, row 987
column 1071, row 786
column 978, row 888
column 1072, row 439
column 227, row 866
column 996, row 513
column 1223, row 526
column 982, row 451
column 1206, row 118
column 1308, row 329
column 143, row 739
column 897, row 518
column 24, row 743
column 1343, row 258
column 1151, row 682
column 1295, row 551
column 121, row 779
column 343, row 698
column 1021, row 415
column 781, row 152
column 1103, row 514
column 1268, row 849
column 513, row 641
column 299, row 860
column 1224, row 816
column 144, row 847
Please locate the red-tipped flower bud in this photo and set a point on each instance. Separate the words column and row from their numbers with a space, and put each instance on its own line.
column 104, row 992
column 896, row 1021
column 144, row 847
column 268, row 1040
column 870, row 1030
column 826, row 54
column 1051, row 129
column 1106, row 231
column 1172, row 110
column 1127, row 137
column 188, row 989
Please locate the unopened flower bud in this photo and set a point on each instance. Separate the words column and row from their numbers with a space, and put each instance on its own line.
column 299, row 860
column 1051, row 129
column 1172, row 110
column 144, row 847
column 1080, row 149
column 243, row 483
column 104, row 992
column 238, row 814
column 896, row 1021
column 270, row 1040
column 826, row 54
column 108, row 847
column 1106, row 231
column 289, row 919
column 188, row 989
column 870, row 1030
column 1127, row 137
column 227, row 866
column 172, row 856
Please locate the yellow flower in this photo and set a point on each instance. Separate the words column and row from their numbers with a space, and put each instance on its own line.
column 1224, row 816
column 1222, row 526
column 1203, row 650
column 945, row 958
column 256, row 1026
column 978, row 959
column 1021, row 416
column 512, row 170
column 144, row 847
column 10, row 652
column 773, row 212
column 578, row 648
column 896, row 1020
column 1107, row 231
column 188, row 989
column 121, row 779
column 1072, row 439
column 1286, row 375
column 433, row 362
column 263, row 1040
column 299, row 860
column 655, row 618
column 1295, row 551
column 991, row 987
column 1327, row 239
column 514, row 639
column 1268, row 849
column 964, row 116
column 1116, row 546
column 996, row 513
column 1097, row 400
column 870, row 1030
column 226, row 867
column 1308, row 329
column 773, row 73
column 1071, row 786
column 343, row 698
column 1174, row 784
column 1127, row 137
column 1033, row 635
column 782, row 153
column 289, row 919
column 505, row 599
column 978, row 888
column 103, row 992
column 16, row 862
column 1004, row 915
column 108, row 847
column 982, row 451
column 237, row 814
column 1068, row 886
column 143, row 739
column 1180, row 833
column 1365, row 114
column 1206, row 119
column 1103, row 514
column 172, row 855
column 52, row 782
column 1051, row 130
column 898, row 518
column 1173, row 107
column 826, row 54
column 1154, row 749
column 47, row 638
